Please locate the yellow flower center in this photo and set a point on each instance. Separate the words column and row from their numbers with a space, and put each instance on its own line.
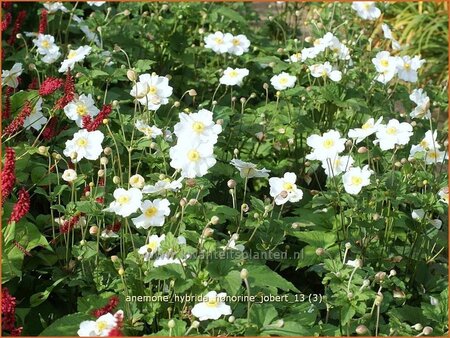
column 288, row 186
column 317, row 42
column 124, row 199
column 218, row 40
column 384, row 62
column 233, row 73
column 236, row 42
column 391, row 131
column 152, row 246
column 81, row 109
column 45, row 44
column 324, row 73
column 407, row 66
column 356, row 180
column 432, row 154
column 72, row 54
column 327, row 144
column 101, row 325
column 248, row 171
column 367, row 125
column 135, row 180
column 82, row 142
column 283, row 80
column 152, row 90
column 150, row 212
column 424, row 144
column 193, row 155
column 212, row 302
column 366, row 6
column 198, row 127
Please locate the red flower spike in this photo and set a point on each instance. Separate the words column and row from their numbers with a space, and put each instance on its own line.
column 43, row 22
column 21, row 207
column 8, row 173
column 17, row 123
column 16, row 28
column 94, row 124
column 6, row 21
column 50, row 85
column 69, row 92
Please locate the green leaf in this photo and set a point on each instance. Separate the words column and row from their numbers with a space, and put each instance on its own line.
column 232, row 282
column 317, row 239
column 66, row 326
column 262, row 314
column 261, row 275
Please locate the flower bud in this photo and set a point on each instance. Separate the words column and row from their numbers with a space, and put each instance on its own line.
column 93, row 230
column 380, row 276
column 392, row 273
column 362, row 150
column 193, row 202
column 244, row 207
column 214, row 220
column 116, row 179
column 244, row 274
column 348, row 246
column 43, row 150
column 378, row 299
column 121, row 271
column 417, row 327
column 73, row 155
column 320, row 251
column 361, row 329
column 176, row 104
column 265, row 86
column 171, row 324
column 208, row 232
column 192, row 92
column 231, row 184
column 195, row 324
column 131, row 75
column 101, row 173
column 183, row 202
column 107, row 151
column 114, row 258
column 427, row 330
column 191, row 182
column 231, row 319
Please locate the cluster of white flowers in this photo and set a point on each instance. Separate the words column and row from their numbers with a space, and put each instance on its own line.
column 328, row 41
column 46, row 46
column 194, row 152
column 152, row 90
column 366, row 10
column 388, row 66
column 222, row 43
column 74, row 56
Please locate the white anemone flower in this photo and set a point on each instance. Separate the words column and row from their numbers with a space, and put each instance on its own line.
column 283, row 81
column 100, row 327
column 126, row 201
column 233, row 77
column 367, row 129
column 337, row 166
column 329, row 145
column 198, row 126
column 150, row 132
column 248, row 170
column 407, row 67
column 152, row 90
column 153, row 213
column 162, row 186
column 152, row 246
column 193, row 159
column 355, row 179
column 239, row 45
column 85, row 144
column 95, row 3
column 212, row 306
column 386, row 66
column 325, row 70
column 74, row 56
column 429, row 142
column 53, row 7
column 79, row 107
column 36, row 119
column 284, row 189
column 388, row 35
column 220, row 43
column 10, row 77
column 45, row 44
column 366, row 10
column 394, row 133
column 422, row 101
